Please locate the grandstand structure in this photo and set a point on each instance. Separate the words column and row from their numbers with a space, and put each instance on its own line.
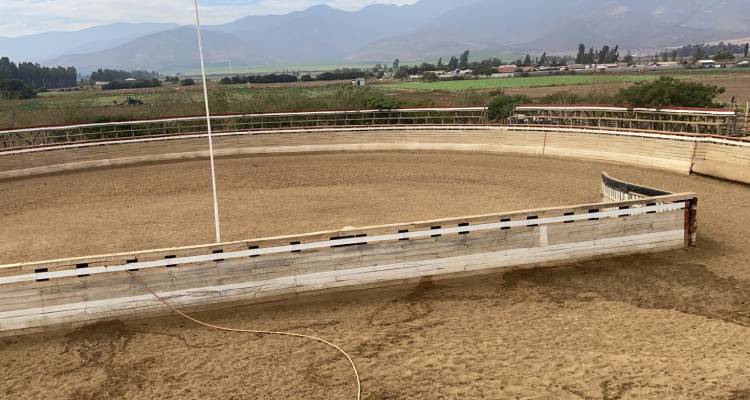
column 720, row 122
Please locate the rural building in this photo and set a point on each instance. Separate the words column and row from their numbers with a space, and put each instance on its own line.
column 708, row 64
column 574, row 67
column 507, row 69
column 100, row 84
column 359, row 82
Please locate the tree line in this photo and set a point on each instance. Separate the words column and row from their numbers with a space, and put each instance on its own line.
column 37, row 76
column 712, row 50
column 109, row 75
column 483, row 67
column 137, row 84
column 607, row 55
column 338, row 74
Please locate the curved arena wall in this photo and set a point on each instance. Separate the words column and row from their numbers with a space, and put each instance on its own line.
column 34, row 296
column 718, row 157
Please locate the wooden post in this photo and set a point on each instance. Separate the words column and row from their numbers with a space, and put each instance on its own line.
column 691, row 222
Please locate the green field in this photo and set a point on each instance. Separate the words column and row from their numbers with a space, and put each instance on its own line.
column 537, row 81
column 88, row 106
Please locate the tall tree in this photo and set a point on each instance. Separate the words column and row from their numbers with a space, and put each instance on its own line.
column 463, row 62
column 453, row 63
column 543, row 59
column 581, row 56
column 747, row 47
column 527, row 60
column 628, row 59
column 698, row 53
column 591, row 56
column 603, row 55
column 614, row 55
column 440, row 65
column 396, row 65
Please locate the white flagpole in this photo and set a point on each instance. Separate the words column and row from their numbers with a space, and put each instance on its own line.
column 208, row 122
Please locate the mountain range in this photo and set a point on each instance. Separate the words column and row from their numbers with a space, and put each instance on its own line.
column 427, row 29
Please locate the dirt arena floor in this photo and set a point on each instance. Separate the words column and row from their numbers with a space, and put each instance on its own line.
column 673, row 325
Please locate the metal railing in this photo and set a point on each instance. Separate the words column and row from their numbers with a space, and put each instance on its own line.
column 722, row 122
column 59, row 135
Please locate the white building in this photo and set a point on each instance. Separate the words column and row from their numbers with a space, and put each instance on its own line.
column 708, row 64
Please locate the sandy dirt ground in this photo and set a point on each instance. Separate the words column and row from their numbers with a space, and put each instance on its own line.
column 673, row 325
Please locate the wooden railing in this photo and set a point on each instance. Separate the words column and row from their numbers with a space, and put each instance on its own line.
column 57, row 135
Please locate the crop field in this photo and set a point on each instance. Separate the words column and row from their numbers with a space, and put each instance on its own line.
column 563, row 80
column 529, row 82
column 92, row 106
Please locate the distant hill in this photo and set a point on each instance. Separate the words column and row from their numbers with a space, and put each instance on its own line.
column 173, row 49
column 44, row 46
column 379, row 33
column 542, row 25
column 319, row 34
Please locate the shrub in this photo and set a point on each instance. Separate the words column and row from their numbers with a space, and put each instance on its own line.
column 401, row 74
column 567, row 97
column 13, row 89
column 219, row 100
column 430, row 77
column 383, row 103
column 187, row 82
column 501, row 106
column 667, row 91
column 564, row 97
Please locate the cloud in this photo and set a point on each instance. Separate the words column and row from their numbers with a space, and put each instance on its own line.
column 22, row 17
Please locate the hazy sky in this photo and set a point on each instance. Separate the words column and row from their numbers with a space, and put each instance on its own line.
column 21, row 17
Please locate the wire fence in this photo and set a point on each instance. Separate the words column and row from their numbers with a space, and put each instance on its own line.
column 59, row 135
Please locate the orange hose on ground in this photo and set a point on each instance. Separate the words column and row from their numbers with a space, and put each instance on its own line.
column 258, row 332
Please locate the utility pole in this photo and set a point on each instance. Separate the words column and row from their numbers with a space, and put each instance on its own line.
column 208, row 125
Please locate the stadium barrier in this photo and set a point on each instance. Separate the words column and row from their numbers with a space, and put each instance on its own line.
column 726, row 158
column 40, row 295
